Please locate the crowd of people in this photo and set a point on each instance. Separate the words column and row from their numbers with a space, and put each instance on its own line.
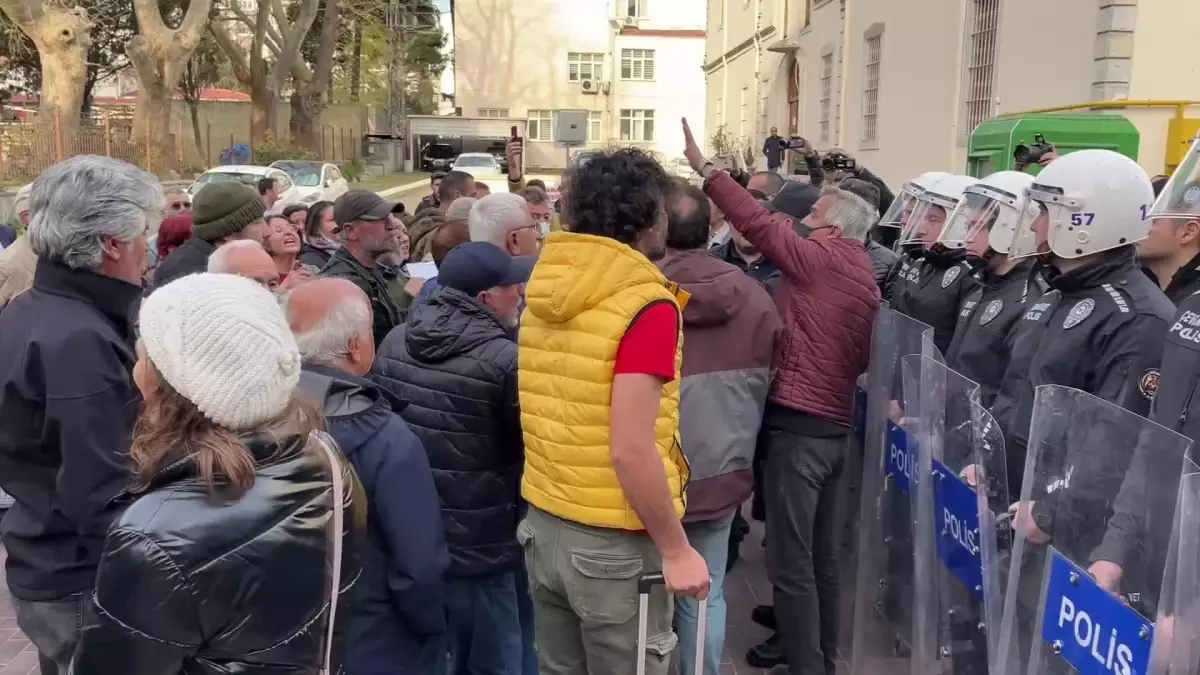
column 241, row 436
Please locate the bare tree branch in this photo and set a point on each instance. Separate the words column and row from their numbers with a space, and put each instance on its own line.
column 235, row 54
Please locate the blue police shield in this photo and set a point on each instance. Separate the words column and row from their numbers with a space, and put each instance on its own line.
column 1090, row 542
column 882, row 633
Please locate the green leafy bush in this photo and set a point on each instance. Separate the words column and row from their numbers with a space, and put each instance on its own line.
column 354, row 169
column 276, row 149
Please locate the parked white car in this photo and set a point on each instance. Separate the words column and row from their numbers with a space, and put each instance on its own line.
column 248, row 175
column 477, row 164
column 314, row 181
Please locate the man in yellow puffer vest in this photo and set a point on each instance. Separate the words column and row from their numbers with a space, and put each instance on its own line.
column 598, row 377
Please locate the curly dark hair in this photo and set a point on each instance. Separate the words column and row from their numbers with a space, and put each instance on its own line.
column 619, row 193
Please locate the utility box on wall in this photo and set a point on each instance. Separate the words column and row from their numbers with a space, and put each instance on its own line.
column 1180, row 133
column 570, row 127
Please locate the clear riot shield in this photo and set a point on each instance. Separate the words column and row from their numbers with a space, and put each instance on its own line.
column 990, row 473
column 1177, row 626
column 1078, row 486
column 882, row 632
column 950, row 632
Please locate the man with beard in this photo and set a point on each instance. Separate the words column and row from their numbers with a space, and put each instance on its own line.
column 366, row 230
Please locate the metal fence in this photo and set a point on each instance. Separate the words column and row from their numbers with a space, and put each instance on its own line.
column 28, row 149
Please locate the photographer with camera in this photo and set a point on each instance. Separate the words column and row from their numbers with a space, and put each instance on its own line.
column 1039, row 152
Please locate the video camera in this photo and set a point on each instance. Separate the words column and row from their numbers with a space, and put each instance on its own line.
column 1032, row 154
column 838, row 163
column 793, row 143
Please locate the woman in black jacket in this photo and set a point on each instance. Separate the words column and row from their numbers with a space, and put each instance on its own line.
column 319, row 244
column 221, row 562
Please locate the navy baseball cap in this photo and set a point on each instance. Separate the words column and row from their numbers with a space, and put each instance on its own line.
column 476, row 266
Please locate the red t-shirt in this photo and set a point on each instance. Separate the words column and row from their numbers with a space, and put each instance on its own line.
column 649, row 345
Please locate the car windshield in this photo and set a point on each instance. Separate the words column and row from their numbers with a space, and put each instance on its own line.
column 304, row 174
column 229, row 176
column 475, row 161
column 439, row 151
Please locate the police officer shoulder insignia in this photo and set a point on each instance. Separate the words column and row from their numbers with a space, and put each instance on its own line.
column 991, row 311
column 950, row 275
column 1148, row 383
column 1081, row 310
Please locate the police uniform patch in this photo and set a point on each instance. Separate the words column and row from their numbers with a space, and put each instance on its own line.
column 1081, row 310
column 991, row 311
column 1192, row 196
column 1148, row 383
column 950, row 275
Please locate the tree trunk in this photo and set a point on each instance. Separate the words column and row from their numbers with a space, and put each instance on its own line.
column 194, row 113
column 356, row 63
column 159, row 56
column 305, row 111
column 262, row 113
column 62, row 36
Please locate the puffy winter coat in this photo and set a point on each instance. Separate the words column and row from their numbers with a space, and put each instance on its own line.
column 455, row 365
column 197, row 585
column 827, row 301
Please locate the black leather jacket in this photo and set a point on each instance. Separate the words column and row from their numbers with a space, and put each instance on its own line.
column 192, row 584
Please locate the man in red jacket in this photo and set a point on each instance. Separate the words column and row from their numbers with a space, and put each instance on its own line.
column 827, row 301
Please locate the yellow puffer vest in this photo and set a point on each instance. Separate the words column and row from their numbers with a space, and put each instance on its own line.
column 584, row 294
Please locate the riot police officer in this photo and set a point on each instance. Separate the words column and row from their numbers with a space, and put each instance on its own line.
column 1098, row 329
column 1135, row 544
column 937, row 286
column 1171, row 252
column 897, row 216
column 983, row 225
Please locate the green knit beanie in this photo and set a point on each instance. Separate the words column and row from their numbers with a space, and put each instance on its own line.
column 224, row 209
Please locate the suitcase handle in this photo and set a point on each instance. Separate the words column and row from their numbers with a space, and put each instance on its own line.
column 646, row 583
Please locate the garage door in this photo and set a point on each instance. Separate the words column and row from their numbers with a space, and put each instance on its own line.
column 465, row 127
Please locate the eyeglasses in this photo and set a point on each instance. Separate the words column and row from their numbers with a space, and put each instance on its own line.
column 179, row 206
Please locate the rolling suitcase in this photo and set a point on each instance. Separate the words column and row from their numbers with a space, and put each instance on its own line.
column 646, row 584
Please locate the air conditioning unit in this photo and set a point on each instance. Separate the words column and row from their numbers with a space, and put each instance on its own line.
column 630, row 22
column 589, row 86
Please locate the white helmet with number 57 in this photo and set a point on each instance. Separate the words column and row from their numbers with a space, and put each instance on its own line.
column 1082, row 203
column 987, row 215
column 904, row 203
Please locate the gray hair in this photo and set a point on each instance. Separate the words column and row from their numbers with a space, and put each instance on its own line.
column 534, row 195
column 218, row 262
column 79, row 203
column 326, row 343
column 849, row 212
column 494, row 216
column 170, row 192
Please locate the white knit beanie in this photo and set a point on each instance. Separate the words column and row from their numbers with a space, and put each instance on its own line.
column 222, row 341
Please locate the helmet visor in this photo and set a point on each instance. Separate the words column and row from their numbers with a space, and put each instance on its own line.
column 970, row 222
column 1048, row 219
column 1180, row 198
column 902, row 207
column 927, row 221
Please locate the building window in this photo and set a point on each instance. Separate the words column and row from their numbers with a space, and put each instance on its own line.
column 874, row 49
column 584, row 66
column 637, row 64
column 980, row 60
column 826, row 94
column 637, row 125
column 636, row 8
column 493, row 112
column 541, row 125
column 593, row 129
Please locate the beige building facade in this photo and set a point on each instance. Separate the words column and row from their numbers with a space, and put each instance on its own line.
column 901, row 85
column 636, row 66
